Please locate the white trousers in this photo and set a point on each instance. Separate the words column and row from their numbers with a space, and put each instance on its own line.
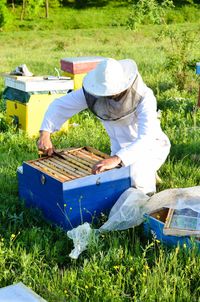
column 143, row 171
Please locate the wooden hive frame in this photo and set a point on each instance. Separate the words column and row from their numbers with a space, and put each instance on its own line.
column 70, row 163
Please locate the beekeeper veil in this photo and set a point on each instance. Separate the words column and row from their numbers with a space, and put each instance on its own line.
column 113, row 89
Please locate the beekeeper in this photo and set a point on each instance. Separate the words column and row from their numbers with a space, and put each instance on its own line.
column 115, row 92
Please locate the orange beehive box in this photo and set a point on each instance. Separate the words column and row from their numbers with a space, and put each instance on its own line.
column 78, row 65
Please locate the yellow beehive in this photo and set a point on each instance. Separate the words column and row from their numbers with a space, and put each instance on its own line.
column 77, row 78
column 29, row 116
column 27, row 99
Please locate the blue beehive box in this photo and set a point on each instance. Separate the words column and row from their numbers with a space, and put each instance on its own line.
column 154, row 225
column 198, row 68
column 64, row 189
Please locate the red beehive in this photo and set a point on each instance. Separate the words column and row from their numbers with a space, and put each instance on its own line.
column 78, row 65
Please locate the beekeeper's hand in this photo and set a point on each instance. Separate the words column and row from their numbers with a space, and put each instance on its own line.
column 44, row 143
column 106, row 164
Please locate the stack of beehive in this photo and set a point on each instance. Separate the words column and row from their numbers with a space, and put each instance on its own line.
column 78, row 67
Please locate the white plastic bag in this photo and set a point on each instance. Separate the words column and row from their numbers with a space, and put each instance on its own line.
column 80, row 237
column 129, row 211
column 180, row 198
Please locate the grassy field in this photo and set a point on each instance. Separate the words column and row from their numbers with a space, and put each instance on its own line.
column 119, row 266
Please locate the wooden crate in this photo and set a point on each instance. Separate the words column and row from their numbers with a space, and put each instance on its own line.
column 63, row 187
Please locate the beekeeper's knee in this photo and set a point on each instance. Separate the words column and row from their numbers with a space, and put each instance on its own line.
column 143, row 177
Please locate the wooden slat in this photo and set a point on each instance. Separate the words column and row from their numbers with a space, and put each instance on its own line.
column 83, row 171
column 55, row 167
column 77, row 168
column 73, row 167
column 97, row 152
column 85, row 157
column 92, row 152
column 68, row 169
column 44, row 169
column 91, row 155
column 74, row 163
column 77, row 164
column 80, row 160
column 70, row 150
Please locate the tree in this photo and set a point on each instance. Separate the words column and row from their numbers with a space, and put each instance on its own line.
column 5, row 16
column 23, row 10
column 31, row 8
column 13, row 4
column 47, row 8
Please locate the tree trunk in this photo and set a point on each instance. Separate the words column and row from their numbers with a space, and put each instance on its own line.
column 23, row 10
column 47, row 8
column 13, row 5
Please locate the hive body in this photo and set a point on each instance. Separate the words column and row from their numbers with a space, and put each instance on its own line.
column 64, row 189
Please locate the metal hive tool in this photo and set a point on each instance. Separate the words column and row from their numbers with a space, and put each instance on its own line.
column 70, row 163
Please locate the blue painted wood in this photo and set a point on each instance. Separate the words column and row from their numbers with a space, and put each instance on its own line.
column 43, row 196
column 153, row 226
column 198, row 68
column 95, row 194
column 73, row 202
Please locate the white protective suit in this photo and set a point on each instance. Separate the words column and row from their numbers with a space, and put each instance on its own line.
column 137, row 139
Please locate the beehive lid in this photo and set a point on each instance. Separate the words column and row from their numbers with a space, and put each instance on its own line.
column 78, row 65
column 28, row 84
column 69, row 164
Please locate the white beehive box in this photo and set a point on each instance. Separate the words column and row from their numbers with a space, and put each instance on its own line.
column 29, row 84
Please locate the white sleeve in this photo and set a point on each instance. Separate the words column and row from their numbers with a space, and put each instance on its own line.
column 61, row 109
column 148, row 130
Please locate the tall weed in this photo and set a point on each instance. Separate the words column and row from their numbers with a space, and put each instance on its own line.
column 148, row 12
column 180, row 58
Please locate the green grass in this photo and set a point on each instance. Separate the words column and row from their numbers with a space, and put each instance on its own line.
column 118, row 266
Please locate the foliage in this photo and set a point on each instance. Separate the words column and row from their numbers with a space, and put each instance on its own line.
column 4, row 125
column 33, row 7
column 180, row 59
column 55, row 3
column 99, row 3
column 5, row 16
column 115, row 14
column 187, row 13
column 148, row 12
